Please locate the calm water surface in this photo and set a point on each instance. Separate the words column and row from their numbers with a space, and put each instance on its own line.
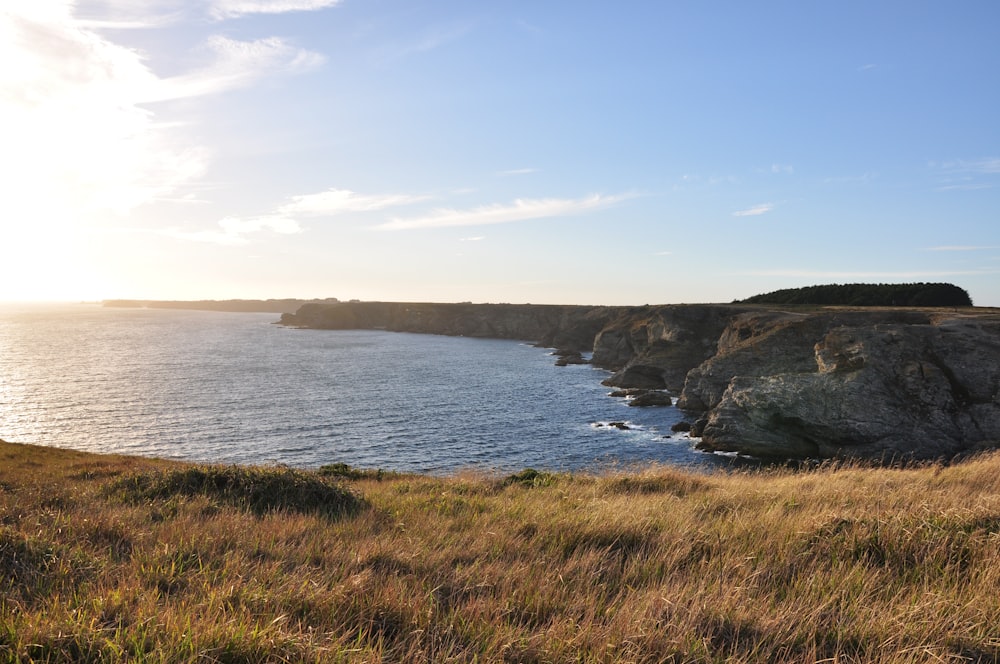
column 235, row 388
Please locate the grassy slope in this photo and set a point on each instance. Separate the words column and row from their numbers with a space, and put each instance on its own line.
column 839, row 564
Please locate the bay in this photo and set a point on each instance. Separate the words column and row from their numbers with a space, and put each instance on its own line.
column 236, row 388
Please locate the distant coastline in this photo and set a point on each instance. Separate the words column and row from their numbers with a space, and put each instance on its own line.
column 274, row 306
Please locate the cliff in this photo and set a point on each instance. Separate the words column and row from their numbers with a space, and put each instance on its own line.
column 563, row 326
column 816, row 382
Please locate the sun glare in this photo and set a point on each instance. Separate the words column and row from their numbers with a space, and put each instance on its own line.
column 44, row 262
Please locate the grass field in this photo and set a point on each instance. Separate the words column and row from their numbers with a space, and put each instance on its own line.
column 108, row 558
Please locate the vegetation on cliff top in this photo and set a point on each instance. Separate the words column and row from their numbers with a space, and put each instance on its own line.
column 658, row 565
column 868, row 295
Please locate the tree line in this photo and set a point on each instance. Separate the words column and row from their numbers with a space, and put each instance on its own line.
column 869, row 295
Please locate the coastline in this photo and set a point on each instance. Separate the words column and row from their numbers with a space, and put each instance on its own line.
column 913, row 383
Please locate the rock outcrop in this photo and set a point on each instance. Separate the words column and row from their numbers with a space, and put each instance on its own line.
column 654, row 347
column 817, row 382
column 651, row 398
column 820, row 382
column 915, row 386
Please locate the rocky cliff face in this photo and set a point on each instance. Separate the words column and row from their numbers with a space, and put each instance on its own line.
column 656, row 346
column 828, row 382
column 878, row 389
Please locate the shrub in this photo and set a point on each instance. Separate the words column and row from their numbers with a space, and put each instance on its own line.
column 259, row 490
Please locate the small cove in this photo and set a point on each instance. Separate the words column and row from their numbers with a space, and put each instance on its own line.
column 236, row 388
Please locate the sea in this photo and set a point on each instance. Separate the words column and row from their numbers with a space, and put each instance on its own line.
column 238, row 388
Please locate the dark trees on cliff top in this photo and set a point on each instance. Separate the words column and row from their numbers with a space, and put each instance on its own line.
column 869, row 295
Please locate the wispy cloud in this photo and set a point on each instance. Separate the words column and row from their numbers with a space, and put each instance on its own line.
column 338, row 201
column 429, row 40
column 963, row 247
column 284, row 219
column 967, row 174
column 72, row 123
column 127, row 14
column 867, row 67
column 234, row 231
column 223, row 9
column 519, row 210
column 75, row 114
column 755, row 210
column 786, row 169
column 472, row 239
column 863, row 178
column 235, row 64
column 517, row 171
column 821, row 274
column 965, row 186
column 985, row 165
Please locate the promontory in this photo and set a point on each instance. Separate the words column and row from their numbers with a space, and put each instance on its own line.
column 882, row 383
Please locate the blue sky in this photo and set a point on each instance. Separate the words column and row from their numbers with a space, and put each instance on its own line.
column 571, row 152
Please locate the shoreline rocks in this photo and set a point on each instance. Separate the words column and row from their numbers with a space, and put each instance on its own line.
column 651, row 398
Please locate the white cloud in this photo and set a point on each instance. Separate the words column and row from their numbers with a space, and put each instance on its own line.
column 820, row 274
column 962, row 247
column 519, row 210
column 235, row 64
column 787, row 169
column 277, row 224
column 233, row 230
column 223, row 9
column 517, row 171
column 128, row 14
column 967, row 186
column 431, row 39
column 282, row 220
column 472, row 239
column 755, row 210
column 967, row 174
column 337, row 201
column 76, row 138
column 985, row 166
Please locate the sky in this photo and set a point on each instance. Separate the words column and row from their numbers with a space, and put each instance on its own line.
column 517, row 151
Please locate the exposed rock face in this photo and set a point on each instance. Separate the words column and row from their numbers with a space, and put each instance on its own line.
column 655, row 347
column 817, row 382
column 910, row 386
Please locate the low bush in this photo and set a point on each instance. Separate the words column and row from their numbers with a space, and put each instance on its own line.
column 257, row 489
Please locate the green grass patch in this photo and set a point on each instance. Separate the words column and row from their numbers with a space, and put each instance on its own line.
column 529, row 477
column 257, row 489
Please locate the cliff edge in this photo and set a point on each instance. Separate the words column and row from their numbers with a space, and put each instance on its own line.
column 795, row 382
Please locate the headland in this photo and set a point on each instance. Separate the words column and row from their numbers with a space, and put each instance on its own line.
column 877, row 383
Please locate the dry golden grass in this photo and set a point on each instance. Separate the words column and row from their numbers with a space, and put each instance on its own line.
column 659, row 565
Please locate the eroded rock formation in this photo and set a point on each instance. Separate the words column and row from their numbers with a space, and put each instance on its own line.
column 873, row 384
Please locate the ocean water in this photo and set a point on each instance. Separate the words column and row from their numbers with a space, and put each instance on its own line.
column 236, row 388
